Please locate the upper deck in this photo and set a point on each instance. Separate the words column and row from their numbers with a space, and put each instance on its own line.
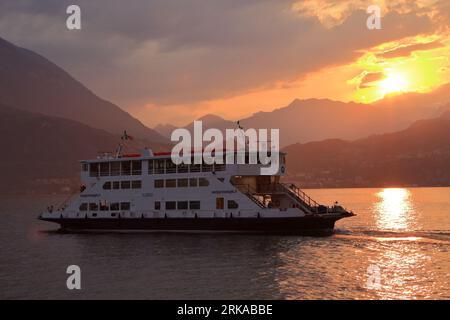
column 159, row 163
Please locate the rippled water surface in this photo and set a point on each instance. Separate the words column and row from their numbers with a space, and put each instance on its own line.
column 397, row 247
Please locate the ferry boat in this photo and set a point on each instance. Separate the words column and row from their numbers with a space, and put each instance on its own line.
column 147, row 191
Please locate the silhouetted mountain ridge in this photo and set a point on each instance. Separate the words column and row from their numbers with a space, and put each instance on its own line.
column 42, row 153
column 29, row 81
column 416, row 156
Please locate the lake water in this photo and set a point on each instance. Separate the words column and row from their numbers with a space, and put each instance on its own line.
column 397, row 247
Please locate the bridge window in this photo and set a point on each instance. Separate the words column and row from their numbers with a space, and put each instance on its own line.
column 194, row 205
column 107, row 185
column 207, row 167
column 93, row 206
column 182, row 205
column 157, row 205
column 232, row 204
column 150, row 166
column 136, row 184
column 84, row 167
column 219, row 167
column 159, row 183
column 182, row 168
column 115, row 168
column 159, row 166
column 125, row 168
column 195, row 167
column 104, row 205
column 125, row 206
column 114, row 206
column 104, row 169
column 193, row 182
column 125, row 184
column 93, row 169
column 83, row 207
column 171, row 183
column 136, row 168
column 202, row 182
column 182, row 183
column 170, row 166
column 171, row 205
column 116, row 185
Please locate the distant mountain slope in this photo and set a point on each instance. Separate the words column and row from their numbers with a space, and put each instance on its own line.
column 165, row 129
column 41, row 153
column 29, row 81
column 418, row 155
column 319, row 119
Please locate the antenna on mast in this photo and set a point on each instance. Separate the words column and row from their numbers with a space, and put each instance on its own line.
column 124, row 137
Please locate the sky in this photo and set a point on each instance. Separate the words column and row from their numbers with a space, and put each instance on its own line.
column 171, row 61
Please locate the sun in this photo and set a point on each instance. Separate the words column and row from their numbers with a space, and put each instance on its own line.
column 393, row 83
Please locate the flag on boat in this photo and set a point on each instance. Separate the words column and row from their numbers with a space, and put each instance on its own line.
column 126, row 136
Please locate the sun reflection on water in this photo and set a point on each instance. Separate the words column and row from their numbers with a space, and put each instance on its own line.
column 394, row 209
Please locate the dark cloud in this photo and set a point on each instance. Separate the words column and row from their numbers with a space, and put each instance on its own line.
column 175, row 52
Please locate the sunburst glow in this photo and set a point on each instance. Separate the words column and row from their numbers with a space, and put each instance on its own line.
column 393, row 83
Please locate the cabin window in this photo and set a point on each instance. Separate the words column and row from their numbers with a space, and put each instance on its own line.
column 125, row 206
column 202, row 182
column 107, row 185
column 114, row 206
column 182, row 205
column 136, row 168
column 193, row 182
column 159, row 166
column 136, row 184
column 150, row 166
column 93, row 169
column 115, row 168
column 207, row 167
column 195, row 168
column 219, row 203
column 171, row 205
column 104, row 205
column 157, row 205
column 125, row 184
column 159, row 183
column 171, row 183
column 84, row 167
column 170, row 166
column 182, row 183
column 194, row 205
column 93, row 206
column 104, row 169
column 125, row 168
column 182, row 168
column 116, row 185
column 232, row 204
column 83, row 207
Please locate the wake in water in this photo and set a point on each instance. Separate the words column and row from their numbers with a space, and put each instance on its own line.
column 438, row 236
